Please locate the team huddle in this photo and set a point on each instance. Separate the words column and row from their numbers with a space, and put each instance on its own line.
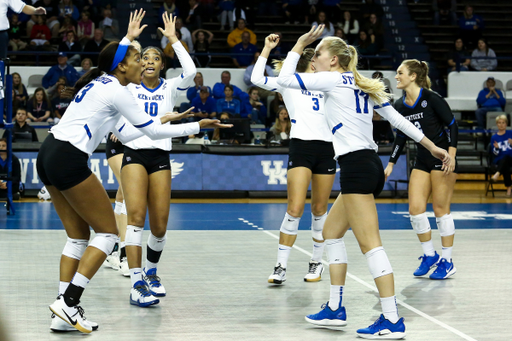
column 331, row 107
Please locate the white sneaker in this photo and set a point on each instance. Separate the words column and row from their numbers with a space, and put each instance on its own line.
column 74, row 316
column 141, row 296
column 315, row 272
column 123, row 267
column 112, row 260
column 153, row 282
column 278, row 276
column 60, row 326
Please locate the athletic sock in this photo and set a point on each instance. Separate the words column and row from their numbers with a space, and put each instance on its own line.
column 62, row 287
column 318, row 251
column 447, row 253
column 389, row 308
column 135, row 275
column 428, row 248
column 123, row 251
column 336, row 297
column 75, row 289
column 283, row 253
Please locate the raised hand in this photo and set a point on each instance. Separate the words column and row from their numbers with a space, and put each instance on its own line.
column 170, row 27
column 271, row 41
column 311, row 36
column 134, row 29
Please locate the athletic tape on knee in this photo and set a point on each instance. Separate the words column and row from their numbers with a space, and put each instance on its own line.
column 378, row 262
column 445, row 225
column 104, row 242
column 123, row 208
column 75, row 248
column 317, row 225
column 133, row 236
column 420, row 223
column 118, row 208
column 290, row 225
column 336, row 251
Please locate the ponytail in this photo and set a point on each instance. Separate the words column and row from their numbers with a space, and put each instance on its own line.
column 302, row 64
column 420, row 68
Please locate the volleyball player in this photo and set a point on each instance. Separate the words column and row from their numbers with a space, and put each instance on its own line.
column 146, row 169
column 349, row 103
column 79, row 198
column 430, row 113
column 310, row 160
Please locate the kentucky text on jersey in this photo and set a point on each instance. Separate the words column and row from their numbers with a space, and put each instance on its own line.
column 150, row 98
column 309, row 93
column 417, row 116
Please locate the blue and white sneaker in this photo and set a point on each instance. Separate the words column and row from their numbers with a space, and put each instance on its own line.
column 153, row 282
column 444, row 270
column 383, row 329
column 427, row 262
column 141, row 296
column 328, row 318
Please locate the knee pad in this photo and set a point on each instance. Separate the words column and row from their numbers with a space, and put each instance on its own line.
column 104, row 242
column 75, row 248
column 123, row 208
column 133, row 236
column 290, row 225
column 420, row 223
column 336, row 251
column 445, row 225
column 118, row 207
column 378, row 262
column 317, row 226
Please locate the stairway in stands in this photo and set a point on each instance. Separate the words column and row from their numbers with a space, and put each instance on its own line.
column 149, row 36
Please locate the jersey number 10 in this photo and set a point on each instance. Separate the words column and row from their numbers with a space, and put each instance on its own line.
column 151, row 108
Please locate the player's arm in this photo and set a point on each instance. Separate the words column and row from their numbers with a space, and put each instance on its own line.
column 444, row 111
column 258, row 72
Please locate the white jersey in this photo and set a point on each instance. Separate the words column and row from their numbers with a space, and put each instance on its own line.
column 305, row 108
column 98, row 107
column 161, row 100
column 348, row 110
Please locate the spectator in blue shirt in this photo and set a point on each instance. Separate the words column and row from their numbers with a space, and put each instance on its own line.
column 243, row 53
column 204, row 105
column 228, row 103
column 502, row 150
column 193, row 92
column 489, row 99
column 254, row 108
column 218, row 88
column 471, row 27
column 62, row 69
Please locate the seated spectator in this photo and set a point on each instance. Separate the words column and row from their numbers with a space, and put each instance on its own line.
column 95, row 45
column 52, row 90
column 269, row 72
column 483, row 50
column 253, row 108
column 445, row 11
column 244, row 9
column 350, row 26
column 68, row 9
column 60, row 103
column 204, row 105
column 186, row 36
column 218, row 88
column 310, row 10
column 332, row 9
column 52, row 14
column 193, row 91
column 226, row 7
column 228, row 103
column 85, row 31
column 243, row 53
column 235, row 37
column 471, row 27
column 374, row 27
column 67, row 25
column 369, row 7
column 329, row 27
column 195, row 15
column 202, row 45
column 281, row 129
column 366, row 46
column 110, row 26
column 458, row 59
column 224, row 116
column 338, row 32
column 39, row 107
column 15, row 34
column 41, row 34
column 171, row 57
column 501, row 143
column 72, row 48
column 293, row 11
column 15, row 174
column 489, row 99
column 19, row 89
column 275, row 105
column 86, row 66
column 91, row 6
column 21, row 126
column 61, row 69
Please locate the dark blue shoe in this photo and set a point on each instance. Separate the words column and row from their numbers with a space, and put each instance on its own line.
column 427, row 262
column 383, row 329
column 328, row 318
column 444, row 270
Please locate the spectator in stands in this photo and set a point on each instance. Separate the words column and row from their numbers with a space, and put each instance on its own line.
column 39, row 107
column 68, row 9
column 91, row 6
column 329, row 27
column 15, row 34
column 209, row 9
column 369, row 7
column 267, row 7
column 489, row 99
column 193, row 92
column 253, row 108
column 244, row 10
column 471, row 26
column 338, row 32
column 21, row 125
column 186, row 36
column 67, row 25
column 333, row 10
column 52, row 14
column 216, row 132
column 72, row 48
column 19, row 89
column 202, row 45
column 172, row 59
column 52, row 90
column 226, row 7
column 110, row 26
column 501, row 143
column 350, row 26
column 445, row 10
column 195, row 15
column 248, row 72
column 243, row 53
column 15, row 173
column 228, row 103
column 168, row 6
column 85, row 31
column 86, row 66
column 61, row 69
column 60, row 103
column 235, row 37
column 204, row 105
column 483, row 50
column 218, row 88
column 275, row 105
column 95, row 45
column 293, row 11
column 458, row 59
column 281, row 128
column 374, row 27
column 367, row 47
column 41, row 34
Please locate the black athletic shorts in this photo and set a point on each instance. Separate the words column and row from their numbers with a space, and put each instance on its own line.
column 113, row 148
column 61, row 164
column 153, row 160
column 427, row 163
column 361, row 172
column 315, row 155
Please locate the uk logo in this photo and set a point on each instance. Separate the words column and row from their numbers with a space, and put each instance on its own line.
column 424, row 104
column 176, row 168
column 277, row 174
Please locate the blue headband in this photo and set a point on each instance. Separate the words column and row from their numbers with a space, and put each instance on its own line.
column 120, row 54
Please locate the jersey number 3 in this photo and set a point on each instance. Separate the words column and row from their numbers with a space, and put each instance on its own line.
column 316, row 105
column 80, row 97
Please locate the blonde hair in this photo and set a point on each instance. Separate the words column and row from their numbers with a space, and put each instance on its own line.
column 502, row 117
column 302, row 65
column 420, row 68
column 347, row 59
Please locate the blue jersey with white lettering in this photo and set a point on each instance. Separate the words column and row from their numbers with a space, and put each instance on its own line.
column 504, row 147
